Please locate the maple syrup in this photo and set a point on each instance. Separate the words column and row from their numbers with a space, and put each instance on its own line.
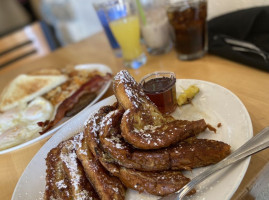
column 160, row 87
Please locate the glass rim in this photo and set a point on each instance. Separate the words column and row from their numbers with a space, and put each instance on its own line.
column 109, row 3
column 180, row 2
column 156, row 73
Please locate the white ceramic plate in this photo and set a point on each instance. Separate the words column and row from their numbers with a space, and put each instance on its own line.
column 213, row 103
column 91, row 67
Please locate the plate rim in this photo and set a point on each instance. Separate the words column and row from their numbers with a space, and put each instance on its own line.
column 108, row 99
column 43, row 147
column 54, row 130
column 247, row 160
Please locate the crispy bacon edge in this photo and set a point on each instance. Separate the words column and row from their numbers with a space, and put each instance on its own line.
column 93, row 85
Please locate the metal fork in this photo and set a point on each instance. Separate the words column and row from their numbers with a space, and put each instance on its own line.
column 252, row 146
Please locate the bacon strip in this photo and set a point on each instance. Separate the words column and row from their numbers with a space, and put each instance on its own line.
column 93, row 85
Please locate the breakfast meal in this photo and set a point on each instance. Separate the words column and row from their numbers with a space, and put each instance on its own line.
column 143, row 125
column 33, row 103
column 129, row 144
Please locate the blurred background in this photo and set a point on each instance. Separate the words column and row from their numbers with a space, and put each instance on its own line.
column 74, row 20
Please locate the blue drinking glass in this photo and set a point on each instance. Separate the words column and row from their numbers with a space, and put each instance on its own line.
column 102, row 13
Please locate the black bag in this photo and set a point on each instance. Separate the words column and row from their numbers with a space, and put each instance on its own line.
column 242, row 36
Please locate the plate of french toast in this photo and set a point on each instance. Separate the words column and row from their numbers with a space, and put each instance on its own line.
column 124, row 148
column 35, row 104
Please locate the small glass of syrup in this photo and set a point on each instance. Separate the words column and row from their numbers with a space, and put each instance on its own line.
column 160, row 87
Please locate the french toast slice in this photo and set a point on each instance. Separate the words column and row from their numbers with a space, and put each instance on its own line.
column 156, row 183
column 57, row 186
column 92, row 128
column 194, row 153
column 81, row 189
column 188, row 154
column 65, row 176
column 108, row 187
column 143, row 125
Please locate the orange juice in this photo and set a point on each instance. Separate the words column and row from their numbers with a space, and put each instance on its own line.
column 127, row 33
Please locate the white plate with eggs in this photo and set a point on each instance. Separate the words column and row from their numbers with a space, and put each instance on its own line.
column 20, row 124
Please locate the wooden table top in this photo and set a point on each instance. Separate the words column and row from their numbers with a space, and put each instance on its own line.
column 249, row 84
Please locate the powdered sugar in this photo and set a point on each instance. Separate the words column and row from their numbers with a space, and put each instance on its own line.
column 70, row 161
column 92, row 120
column 69, row 158
column 60, row 184
column 106, row 121
column 132, row 89
column 116, row 141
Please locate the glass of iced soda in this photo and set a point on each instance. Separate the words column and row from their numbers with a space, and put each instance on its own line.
column 188, row 21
